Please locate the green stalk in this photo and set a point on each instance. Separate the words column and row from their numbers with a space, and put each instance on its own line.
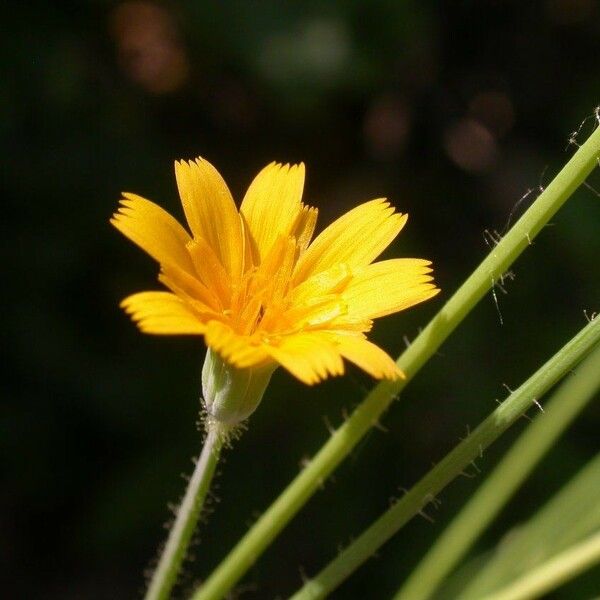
column 453, row 464
column 551, row 574
column 516, row 465
column 367, row 414
column 165, row 576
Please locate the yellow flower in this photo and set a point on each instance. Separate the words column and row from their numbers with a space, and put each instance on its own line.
column 252, row 283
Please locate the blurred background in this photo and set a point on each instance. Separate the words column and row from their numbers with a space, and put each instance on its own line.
column 453, row 110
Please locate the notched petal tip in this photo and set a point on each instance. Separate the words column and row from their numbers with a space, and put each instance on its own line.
column 186, row 162
column 396, row 375
column 299, row 167
column 271, row 206
column 287, row 165
column 357, row 238
column 126, row 204
column 161, row 313
column 389, row 374
column 125, row 304
column 153, row 229
column 318, row 377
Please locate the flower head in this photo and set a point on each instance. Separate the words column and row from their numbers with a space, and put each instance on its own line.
column 255, row 286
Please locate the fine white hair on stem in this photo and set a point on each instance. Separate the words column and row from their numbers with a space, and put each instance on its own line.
column 595, row 116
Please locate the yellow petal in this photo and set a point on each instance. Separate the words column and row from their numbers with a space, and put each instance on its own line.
column 210, row 270
column 245, row 321
column 271, row 205
column 154, row 230
column 161, row 313
column 389, row 286
column 356, row 239
column 326, row 282
column 272, row 280
column 316, row 314
column 238, row 350
column 345, row 323
column 368, row 357
column 275, row 271
column 304, row 227
column 202, row 299
column 309, row 356
column 210, row 211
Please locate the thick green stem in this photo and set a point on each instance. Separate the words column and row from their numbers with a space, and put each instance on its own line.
column 367, row 414
column 165, row 576
column 551, row 574
column 453, row 464
column 517, row 463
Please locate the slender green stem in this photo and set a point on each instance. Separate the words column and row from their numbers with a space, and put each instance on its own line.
column 367, row 414
column 165, row 576
column 517, row 463
column 453, row 464
column 551, row 574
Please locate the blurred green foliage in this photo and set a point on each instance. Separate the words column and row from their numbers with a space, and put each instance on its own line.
column 452, row 110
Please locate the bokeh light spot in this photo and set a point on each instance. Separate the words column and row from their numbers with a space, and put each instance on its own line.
column 386, row 126
column 470, row 146
column 149, row 47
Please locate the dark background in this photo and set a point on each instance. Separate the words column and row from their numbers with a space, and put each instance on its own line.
column 453, row 110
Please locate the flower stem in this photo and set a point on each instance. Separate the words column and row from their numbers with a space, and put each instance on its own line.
column 165, row 576
column 367, row 414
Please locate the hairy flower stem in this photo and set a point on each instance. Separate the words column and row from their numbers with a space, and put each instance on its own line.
column 341, row 443
column 165, row 576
